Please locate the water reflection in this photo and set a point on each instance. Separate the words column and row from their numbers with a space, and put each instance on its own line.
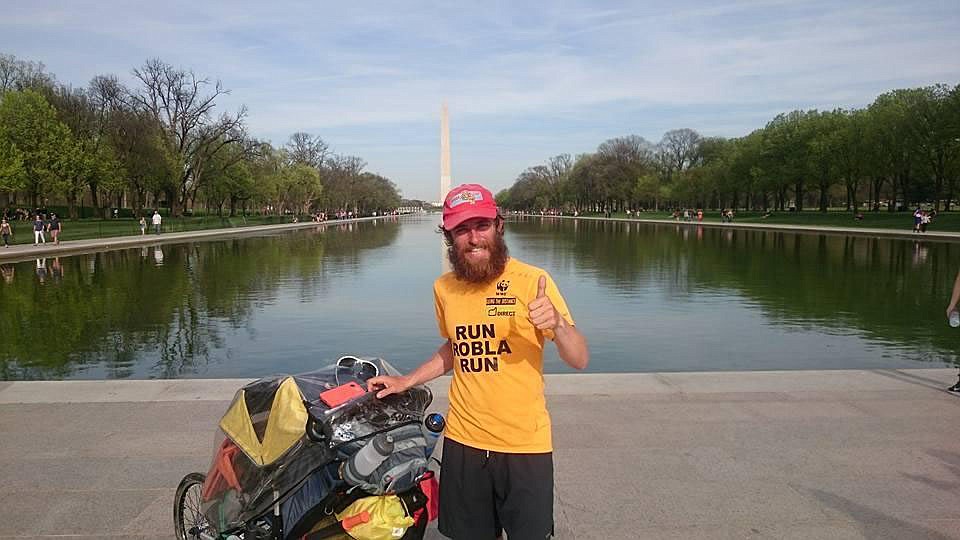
column 169, row 305
column 649, row 297
column 889, row 294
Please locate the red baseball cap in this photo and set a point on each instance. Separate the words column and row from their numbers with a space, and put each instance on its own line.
column 467, row 201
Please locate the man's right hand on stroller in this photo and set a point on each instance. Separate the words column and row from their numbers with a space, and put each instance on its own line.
column 387, row 384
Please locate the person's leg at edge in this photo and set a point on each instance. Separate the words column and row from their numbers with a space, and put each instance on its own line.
column 955, row 387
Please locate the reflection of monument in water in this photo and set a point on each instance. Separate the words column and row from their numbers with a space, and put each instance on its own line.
column 444, row 176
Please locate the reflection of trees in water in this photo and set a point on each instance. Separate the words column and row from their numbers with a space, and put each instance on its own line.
column 111, row 310
column 893, row 290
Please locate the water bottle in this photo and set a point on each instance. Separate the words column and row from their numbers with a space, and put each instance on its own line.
column 954, row 319
column 434, row 424
column 362, row 464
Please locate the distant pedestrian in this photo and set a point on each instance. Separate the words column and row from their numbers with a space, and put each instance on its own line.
column 917, row 219
column 38, row 226
column 54, row 227
column 6, row 231
column 925, row 220
column 700, row 215
column 157, row 220
column 954, row 318
column 143, row 225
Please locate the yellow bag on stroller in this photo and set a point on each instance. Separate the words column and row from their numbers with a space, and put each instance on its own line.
column 386, row 518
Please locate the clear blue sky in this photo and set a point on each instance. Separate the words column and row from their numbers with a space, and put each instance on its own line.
column 524, row 81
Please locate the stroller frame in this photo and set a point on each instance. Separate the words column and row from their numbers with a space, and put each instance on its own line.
column 192, row 519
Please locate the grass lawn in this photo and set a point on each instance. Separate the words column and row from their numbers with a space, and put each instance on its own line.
column 83, row 229
column 945, row 221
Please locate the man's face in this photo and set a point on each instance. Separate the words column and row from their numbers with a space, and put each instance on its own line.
column 478, row 253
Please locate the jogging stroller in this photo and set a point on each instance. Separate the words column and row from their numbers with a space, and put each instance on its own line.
column 315, row 456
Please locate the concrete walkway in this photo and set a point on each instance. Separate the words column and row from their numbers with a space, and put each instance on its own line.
column 801, row 454
column 905, row 233
column 22, row 252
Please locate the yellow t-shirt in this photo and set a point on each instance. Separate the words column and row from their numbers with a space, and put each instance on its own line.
column 496, row 397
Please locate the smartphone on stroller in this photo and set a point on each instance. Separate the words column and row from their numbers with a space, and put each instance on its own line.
column 342, row 394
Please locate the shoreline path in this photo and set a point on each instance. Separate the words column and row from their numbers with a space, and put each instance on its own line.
column 24, row 252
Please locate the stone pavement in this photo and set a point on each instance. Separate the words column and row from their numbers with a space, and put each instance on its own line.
column 792, row 454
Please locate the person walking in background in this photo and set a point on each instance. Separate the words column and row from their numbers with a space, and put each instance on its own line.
column 497, row 468
column 917, row 218
column 143, row 225
column 954, row 317
column 38, row 226
column 54, row 227
column 157, row 220
column 6, row 231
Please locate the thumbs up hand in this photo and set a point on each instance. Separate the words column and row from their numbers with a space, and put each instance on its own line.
column 541, row 311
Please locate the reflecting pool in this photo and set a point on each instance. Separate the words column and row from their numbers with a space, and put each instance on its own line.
column 648, row 297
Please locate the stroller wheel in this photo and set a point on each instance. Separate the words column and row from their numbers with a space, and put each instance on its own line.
column 188, row 519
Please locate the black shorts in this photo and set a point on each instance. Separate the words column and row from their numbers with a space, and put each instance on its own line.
column 483, row 493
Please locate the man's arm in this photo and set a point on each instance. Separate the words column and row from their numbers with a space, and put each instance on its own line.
column 571, row 344
column 438, row 364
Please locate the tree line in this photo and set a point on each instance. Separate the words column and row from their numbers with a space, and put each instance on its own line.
column 162, row 143
column 901, row 150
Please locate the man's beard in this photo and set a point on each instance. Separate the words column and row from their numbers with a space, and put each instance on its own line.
column 483, row 272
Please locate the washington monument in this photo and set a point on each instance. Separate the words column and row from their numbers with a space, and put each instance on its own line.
column 444, row 152
column 444, row 175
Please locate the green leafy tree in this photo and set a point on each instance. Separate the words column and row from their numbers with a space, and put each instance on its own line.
column 12, row 174
column 30, row 131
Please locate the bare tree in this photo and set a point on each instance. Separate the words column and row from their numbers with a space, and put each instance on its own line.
column 182, row 104
column 340, row 178
column 20, row 74
column 308, row 150
column 680, row 149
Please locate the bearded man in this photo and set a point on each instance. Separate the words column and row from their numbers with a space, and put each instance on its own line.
column 493, row 312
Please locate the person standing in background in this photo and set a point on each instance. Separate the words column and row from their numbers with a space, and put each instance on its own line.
column 54, row 227
column 954, row 317
column 38, row 226
column 6, row 231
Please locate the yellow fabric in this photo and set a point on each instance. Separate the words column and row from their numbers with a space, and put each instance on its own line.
column 388, row 520
column 285, row 424
column 496, row 397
